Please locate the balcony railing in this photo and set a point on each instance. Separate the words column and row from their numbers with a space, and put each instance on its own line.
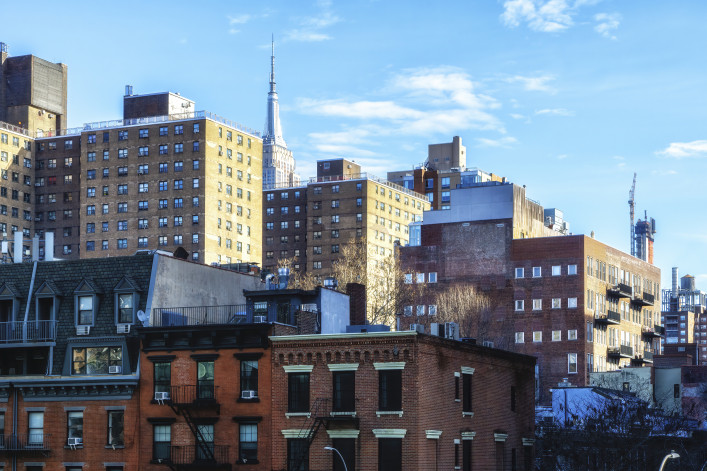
column 648, row 298
column 659, row 330
column 193, row 395
column 621, row 290
column 200, row 456
column 31, row 442
column 611, row 317
column 623, row 351
column 366, row 176
column 647, row 356
column 27, row 332
column 655, row 331
column 221, row 315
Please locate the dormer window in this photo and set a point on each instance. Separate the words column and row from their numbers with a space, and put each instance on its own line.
column 126, row 301
column 47, row 306
column 85, row 305
column 9, row 303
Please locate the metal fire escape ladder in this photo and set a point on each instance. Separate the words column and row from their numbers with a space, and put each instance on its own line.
column 201, row 443
column 311, row 426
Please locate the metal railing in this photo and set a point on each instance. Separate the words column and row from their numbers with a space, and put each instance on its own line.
column 610, row 317
column 648, row 298
column 221, row 315
column 195, row 455
column 27, row 332
column 621, row 350
column 15, row 129
column 25, row 442
column 193, row 394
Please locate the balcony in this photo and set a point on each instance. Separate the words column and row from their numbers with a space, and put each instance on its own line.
column 611, row 317
column 193, row 396
column 20, row 332
column 200, row 457
column 623, row 351
column 645, row 299
column 651, row 332
column 646, row 357
column 620, row 290
column 35, row 443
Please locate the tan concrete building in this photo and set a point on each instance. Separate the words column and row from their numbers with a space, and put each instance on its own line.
column 341, row 205
column 189, row 180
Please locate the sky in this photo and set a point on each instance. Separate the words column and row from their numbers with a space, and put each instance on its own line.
column 567, row 97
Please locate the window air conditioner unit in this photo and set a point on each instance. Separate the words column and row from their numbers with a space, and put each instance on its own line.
column 451, row 330
column 249, row 394
column 115, row 370
column 162, row 396
column 83, row 329
column 420, row 328
column 73, row 441
column 260, row 319
column 435, row 329
column 123, row 328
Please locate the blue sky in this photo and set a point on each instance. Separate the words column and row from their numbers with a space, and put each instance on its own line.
column 568, row 97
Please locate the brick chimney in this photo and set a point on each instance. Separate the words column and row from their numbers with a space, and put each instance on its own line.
column 357, row 303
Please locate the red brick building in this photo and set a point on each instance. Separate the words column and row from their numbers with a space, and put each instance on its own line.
column 399, row 400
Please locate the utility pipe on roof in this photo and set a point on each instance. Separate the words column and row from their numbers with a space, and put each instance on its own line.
column 29, row 299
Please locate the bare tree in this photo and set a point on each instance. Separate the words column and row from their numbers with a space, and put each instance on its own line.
column 298, row 279
column 463, row 304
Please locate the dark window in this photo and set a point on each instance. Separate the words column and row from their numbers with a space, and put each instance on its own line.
column 514, row 463
column 74, row 425
column 283, row 313
column 456, row 456
column 513, row 398
column 298, row 392
column 248, row 442
column 347, row 448
column 115, row 428
column 456, row 387
column 344, row 391
column 500, row 456
column 390, row 385
column 466, row 455
column 205, row 379
column 390, row 454
column 676, row 391
column 206, row 442
column 297, row 454
column 466, row 406
column 162, row 376
column 249, row 376
column 161, row 442
column 125, row 308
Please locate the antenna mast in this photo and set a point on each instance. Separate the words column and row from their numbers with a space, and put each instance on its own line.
column 631, row 205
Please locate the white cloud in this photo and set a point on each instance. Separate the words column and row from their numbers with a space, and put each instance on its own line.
column 310, row 28
column 517, row 116
column 680, row 150
column 664, row 172
column 505, row 142
column 555, row 112
column 606, row 24
column 239, row 20
column 545, row 16
column 562, row 156
column 533, row 84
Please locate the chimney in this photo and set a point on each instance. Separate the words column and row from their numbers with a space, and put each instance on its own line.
column 675, row 291
column 357, row 303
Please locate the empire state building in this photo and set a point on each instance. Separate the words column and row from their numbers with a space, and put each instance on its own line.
column 278, row 162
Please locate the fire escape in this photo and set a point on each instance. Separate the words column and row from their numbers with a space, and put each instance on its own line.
column 191, row 401
column 321, row 415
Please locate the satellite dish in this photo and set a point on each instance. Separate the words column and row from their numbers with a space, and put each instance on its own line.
column 144, row 318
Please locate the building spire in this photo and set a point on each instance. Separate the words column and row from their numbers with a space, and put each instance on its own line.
column 273, row 130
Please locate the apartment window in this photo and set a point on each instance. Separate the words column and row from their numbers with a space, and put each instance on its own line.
column 335, row 188
column 142, row 205
column 161, row 441
column 248, row 442
column 85, row 310
column 335, row 218
column 590, row 332
column 344, row 391
column 91, row 156
column 205, row 379
column 556, row 335
column 177, row 240
column 143, row 188
column 116, row 436
column 67, row 179
column 298, row 392
column 122, row 207
column 164, row 167
column 178, row 148
column 162, row 376
column 164, row 131
column 122, row 225
column 249, row 376
column 520, row 273
column 91, row 138
column 334, row 203
column 122, row 244
column 537, row 336
column 335, row 248
column 537, row 304
column 164, row 149
column 571, row 269
column 537, row 272
column 556, row 303
column 91, row 192
column 178, row 203
column 520, row 305
column 556, row 270
column 74, row 425
column 572, row 363
column 335, row 234
column 122, row 135
column 572, row 334
column 95, row 360
column 142, row 242
column 432, row 277
column 123, row 189
column 35, row 428
column 390, row 454
column 106, row 154
column 143, row 151
column 144, row 133
column 390, row 386
column 572, row 303
column 466, row 392
column 196, row 128
column 179, row 184
column 195, row 183
column 520, row 337
column 122, row 153
column 298, row 454
column 178, row 129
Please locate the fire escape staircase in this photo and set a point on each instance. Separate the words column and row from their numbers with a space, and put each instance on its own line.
column 319, row 415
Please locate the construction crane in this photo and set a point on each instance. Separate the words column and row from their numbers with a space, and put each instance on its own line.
column 631, row 205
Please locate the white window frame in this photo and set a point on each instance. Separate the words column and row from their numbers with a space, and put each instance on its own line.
column 420, row 278
column 572, row 334
column 556, row 335
column 572, row 269
column 520, row 337
column 557, row 303
column 572, row 360
column 556, row 270
column 571, row 303
column 520, row 272
column 520, row 305
column 537, row 272
column 537, row 304
column 432, row 277
column 537, row 336
column 408, row 278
